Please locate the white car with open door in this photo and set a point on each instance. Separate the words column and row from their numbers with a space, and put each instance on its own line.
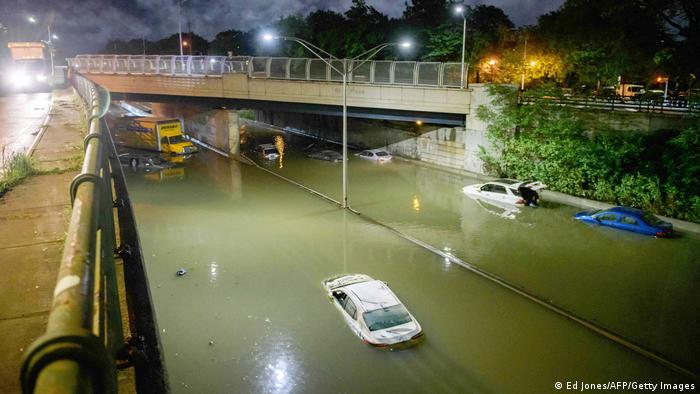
column 507, row 191
column 372, row 310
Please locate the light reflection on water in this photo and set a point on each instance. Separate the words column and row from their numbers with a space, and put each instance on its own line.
column 251, row 315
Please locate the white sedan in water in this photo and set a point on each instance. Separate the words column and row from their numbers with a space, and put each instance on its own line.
column 372, row 310
column 379, row 155
column 506, row 191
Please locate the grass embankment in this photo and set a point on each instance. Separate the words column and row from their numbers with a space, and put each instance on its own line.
column 15, row 169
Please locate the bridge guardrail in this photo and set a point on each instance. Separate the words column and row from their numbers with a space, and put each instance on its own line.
column 84, row 337
column 443, row 75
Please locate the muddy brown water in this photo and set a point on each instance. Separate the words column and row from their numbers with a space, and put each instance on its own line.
column 251, row 316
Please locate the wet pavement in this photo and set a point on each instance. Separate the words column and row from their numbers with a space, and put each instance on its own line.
column 250, row 314
column 21, row 115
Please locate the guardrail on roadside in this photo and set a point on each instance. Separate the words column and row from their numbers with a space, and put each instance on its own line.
column 611, row 103
column 444, row 75
column 83, row 339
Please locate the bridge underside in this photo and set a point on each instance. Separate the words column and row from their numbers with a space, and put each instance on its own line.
column 317, row 109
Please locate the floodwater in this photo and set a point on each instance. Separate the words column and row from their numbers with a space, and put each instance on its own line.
column 250, row 315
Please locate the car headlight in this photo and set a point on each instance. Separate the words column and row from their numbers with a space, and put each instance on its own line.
column 41, row 78
column 19, row 78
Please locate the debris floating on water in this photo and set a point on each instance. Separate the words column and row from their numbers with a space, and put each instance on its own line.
column 181, row 272
column 211, row 343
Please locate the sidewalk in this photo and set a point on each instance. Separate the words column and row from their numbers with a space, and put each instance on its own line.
column 33, row 219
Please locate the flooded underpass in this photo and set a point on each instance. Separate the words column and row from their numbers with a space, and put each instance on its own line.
column 251, row 315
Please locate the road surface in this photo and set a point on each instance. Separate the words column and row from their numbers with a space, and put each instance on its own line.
column 21, row 115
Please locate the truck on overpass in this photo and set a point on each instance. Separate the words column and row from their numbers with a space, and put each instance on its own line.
column 29, row 68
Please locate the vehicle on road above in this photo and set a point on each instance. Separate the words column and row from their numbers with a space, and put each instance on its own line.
column 154, row 134
column 372, row 310
column 29, row 68
column 628, row 91
column 508, row 191
column 327, row 155
column 268, row 151
column 379, row 155
column 626, row 218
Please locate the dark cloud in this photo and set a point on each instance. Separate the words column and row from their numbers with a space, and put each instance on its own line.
column 85, row 25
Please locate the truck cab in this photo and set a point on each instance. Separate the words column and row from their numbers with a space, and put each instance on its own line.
column 174, row 142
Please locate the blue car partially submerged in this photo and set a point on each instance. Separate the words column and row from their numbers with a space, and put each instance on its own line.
column 630, row 219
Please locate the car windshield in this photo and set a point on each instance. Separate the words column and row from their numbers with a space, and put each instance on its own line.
column 382, row 318
column 176, row 139
column 269, row 151
column 651, row 219
column 381, row 154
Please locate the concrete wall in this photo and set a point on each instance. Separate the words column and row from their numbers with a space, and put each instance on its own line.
column 456, row 148
column 645, row 122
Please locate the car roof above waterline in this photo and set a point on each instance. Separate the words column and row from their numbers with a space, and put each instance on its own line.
column 626, row 210
column 373, row 295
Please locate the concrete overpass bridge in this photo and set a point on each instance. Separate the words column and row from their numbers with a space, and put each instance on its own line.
column 389, row 90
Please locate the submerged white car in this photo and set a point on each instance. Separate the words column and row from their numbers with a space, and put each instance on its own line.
column 268, row 151
column 379, row 155
column 506, row 191
column 372, row 310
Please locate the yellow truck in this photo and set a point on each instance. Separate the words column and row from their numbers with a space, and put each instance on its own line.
column 154, row 134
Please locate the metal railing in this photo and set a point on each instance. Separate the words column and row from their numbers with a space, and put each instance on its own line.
column 613, row 103
column 444, row 75
column 83, row 339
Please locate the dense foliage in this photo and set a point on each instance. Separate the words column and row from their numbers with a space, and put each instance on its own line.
column 659, row 172
column 584, row 45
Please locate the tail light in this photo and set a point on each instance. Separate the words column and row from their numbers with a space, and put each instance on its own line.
column 662, row 233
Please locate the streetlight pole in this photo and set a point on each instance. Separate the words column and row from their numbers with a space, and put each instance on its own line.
column 345, row 72
column 50, row 42
column 179, row 23
column 460, row 10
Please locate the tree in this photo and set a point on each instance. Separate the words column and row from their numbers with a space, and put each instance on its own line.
column 327, row 30
column 235, row 41
column 487, row 26
column 600, row 40
column 367, row 28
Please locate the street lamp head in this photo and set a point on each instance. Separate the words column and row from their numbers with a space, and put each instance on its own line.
column 532, row 63
column 405, row 44
column 459, row 10
column 31, row 19
column 492, row 62
column 269, row 37
column 54, row 37
column 185, row 43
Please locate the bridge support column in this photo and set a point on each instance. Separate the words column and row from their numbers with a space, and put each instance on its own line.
column 218, row 128
column 234, row 133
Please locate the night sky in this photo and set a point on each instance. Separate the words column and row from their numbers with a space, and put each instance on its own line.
column 84, row 26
